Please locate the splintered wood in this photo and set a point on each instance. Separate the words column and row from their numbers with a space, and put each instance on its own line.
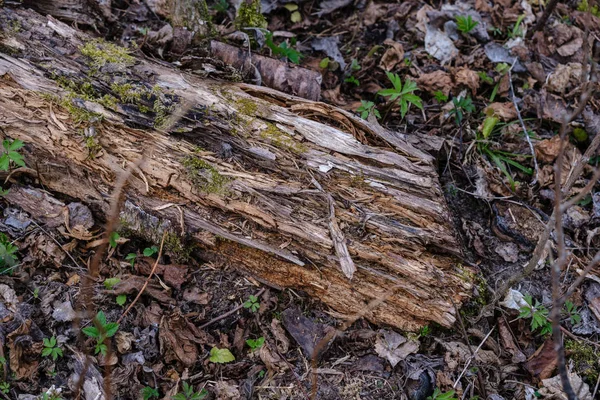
column 297, row 193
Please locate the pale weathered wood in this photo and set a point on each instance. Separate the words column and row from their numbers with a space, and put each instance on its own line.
column 246, row 172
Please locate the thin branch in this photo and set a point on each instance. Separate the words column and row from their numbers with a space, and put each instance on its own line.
column 162, row 242
column 514, row 101
column 228, row 313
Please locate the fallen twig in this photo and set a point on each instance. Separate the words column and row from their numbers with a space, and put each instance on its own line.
column 228, row 313
column 160, row 250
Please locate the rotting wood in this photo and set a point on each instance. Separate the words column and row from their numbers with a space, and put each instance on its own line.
column 236, row 172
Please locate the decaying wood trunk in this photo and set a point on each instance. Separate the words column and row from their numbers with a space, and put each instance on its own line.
column 286, row 189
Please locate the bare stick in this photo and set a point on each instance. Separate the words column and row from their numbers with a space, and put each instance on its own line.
column 228, row 313
column 514, row 101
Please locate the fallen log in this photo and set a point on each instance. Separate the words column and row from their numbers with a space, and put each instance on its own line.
column 297, row 193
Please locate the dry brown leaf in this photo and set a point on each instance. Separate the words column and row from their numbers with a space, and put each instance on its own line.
column 392, row 56
column 508, row 342
column 394, row 347
column 552, row 388
column 124, row 340
column 283, row 343
column 373, row 13
column 546, row 150
column 504, row 111
column 179, row 339
column 543, row 362
column 133, row 284
column 457, row 354
column 226, row 390
column 570, row 48
column 467, row 77
column 194, row 295
column 436, row 81
column 271, row 359
column 24, row 353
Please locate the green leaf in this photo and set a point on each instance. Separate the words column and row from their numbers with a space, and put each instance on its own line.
column 91, row 331
column 396, row 81
column 296, row 16
column 220, row 356
column 414, row 99
column 109, row 283
column 150, row 251
column 46, row 351
column 489, row 123
column 324, row 63
column 112, row 239
column 409, row 87
column 403, row 107
column 57, row 352
column 111, row 328
column 101, row 318
column 16, row 158
column 121, row 299
column 101, row 348
column 4, row 162
column 388, row 92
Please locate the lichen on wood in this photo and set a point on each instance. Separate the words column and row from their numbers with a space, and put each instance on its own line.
column 247, row 177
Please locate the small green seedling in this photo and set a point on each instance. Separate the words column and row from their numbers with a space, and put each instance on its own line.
column 440, row 96
column 11, row 155
column 465, row 24
column 149, row 392
column 283, row 50
column 572, row 312
column 121, row 299
column 538, row 314
column 51, row 349
column 424, row 331
column 101, row 331
column 110, row 283
column 189, row 394
column 221, row 356
column 261, row 373
column 255, row 344
column 462, row 106
column 131, row 258
column 367, row 108
column 352, row 79
column 5, row 387
column 150, row 251
column 439, row 395
column 112, row 239
column 252, row 303
column 517, row 30
column 485, row 77
column 404, row 94
column 8, row 257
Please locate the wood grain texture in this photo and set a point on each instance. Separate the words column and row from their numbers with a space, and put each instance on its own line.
column 249, row 174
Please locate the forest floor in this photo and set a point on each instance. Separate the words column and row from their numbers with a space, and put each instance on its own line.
column 452, row 72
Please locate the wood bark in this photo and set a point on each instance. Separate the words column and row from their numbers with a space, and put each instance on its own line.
column 286, row 189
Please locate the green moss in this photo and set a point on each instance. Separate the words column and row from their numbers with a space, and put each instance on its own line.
column 585, row 358
column 280, row 139
column 206, row 177
column 247, row 107
column 79, row 114
column 175, row 247
column 93, row 146
column 580, row 134
column 249, row 16
column 162, row 111
column 102, row 53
